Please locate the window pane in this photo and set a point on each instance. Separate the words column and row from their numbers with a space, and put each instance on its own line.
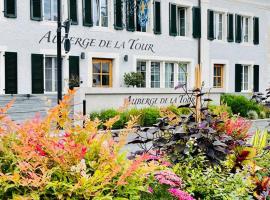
column 54, row 10
column 105, row 80
column 169, row 75
column 105, row 67
column 141, row 68
column 96, row 68
column 181, row 21
column 96, row 12
column 182, row 73
column 104, row 13
column 96, row 81
column 155, row 74
column 47, row 9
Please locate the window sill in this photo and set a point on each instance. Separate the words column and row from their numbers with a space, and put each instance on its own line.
column 144, row 33
column 185, row 38
column 247, row 44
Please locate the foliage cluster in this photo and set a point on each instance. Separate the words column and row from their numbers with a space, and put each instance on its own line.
column 59, row 158
column 146, row 116
column 245, row 107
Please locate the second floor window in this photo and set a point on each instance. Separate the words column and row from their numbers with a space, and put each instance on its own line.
column 50, row 10
column 181, row 28
column 218, row 25
column 100, row 13
column 245, row 28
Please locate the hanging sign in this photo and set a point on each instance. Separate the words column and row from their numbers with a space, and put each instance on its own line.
column 143, row 11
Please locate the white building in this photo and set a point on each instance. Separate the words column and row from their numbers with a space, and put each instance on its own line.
column 108, row 41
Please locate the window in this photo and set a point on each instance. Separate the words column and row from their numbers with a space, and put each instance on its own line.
column 181, row 16
column 218, row 76
column 141, row 68
column 50, row 77
column 245, row 78
column 182, row 73
column 140, row 8
column 218, row 25
column 169, row 75
column 100, row 13
column 50, row 10
column 155, row 75
column 102, row 73
column 245, row 29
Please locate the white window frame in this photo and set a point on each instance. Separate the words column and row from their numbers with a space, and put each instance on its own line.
column 217, row 25
column 178, row 20
column 149, row 24
column 249, row 33
column 245, row 68
column 100, row 15
column 178, row 72
column 169, row 83
column 154, row 81
column 52, row 6
column 140, row 71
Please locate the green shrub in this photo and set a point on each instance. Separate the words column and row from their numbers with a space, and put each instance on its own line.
column 240, row 104
column 179, row 111
column 219, row 109
column 262, row 115
column 149, row 116
column 252, row 114
column 213, row 183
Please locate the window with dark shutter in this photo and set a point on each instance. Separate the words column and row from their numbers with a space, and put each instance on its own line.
column 256, row 78
column 238, row 28
column 118, row 15
column 130, row 15
column 11, row 80
column 196, row 12
column 230, row 35
column 10, row 8
column 73, row 15
column 173, row 25
column 74, row 71
column 211, row 34
column 157, row 18
column 36, row 10
column 256, row 33
column 87, row 13
column 37, row 61
column 238, row 77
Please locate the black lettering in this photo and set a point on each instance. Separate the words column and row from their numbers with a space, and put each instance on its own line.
column 46, row 36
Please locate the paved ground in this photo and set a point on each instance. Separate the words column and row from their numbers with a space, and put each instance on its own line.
column 261, row 124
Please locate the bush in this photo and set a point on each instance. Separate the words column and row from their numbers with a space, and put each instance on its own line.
column 133, row 79
column 252, row 114
column 149, row 116
column 51, row 159
column 179, row 111
column 240, row 104
column 221, row 109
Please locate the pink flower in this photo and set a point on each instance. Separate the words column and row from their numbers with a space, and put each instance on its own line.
column 83, row 151
column 40, row 151
column 150, row 190
column 181, row 195
column 168, row 178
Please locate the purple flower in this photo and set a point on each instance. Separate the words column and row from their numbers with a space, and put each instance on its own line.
column 181, row 195
column 150, row 190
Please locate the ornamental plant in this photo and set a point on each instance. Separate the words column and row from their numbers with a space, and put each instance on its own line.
column 61, row 158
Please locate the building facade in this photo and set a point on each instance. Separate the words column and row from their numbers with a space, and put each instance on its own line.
column 162, row 39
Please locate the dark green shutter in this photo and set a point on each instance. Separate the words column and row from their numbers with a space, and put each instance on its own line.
column 36, row 10
column 118, row 15
column 230, row 36
column 238, row 77
column 256, row 33
column 211, row 35
column 130, row 15
column 87, row 13
column 74, row 70
column 238, row 28
column 173, row 25
column 10, row 8
column 11, row 72
column 256, row 78
column 196, row 13
column 157, row 18
column 37, row 73
column 73, row 15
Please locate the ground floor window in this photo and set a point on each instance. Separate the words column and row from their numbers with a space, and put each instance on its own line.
column 182, row 73
column 218, row 76
column 141, row 68
column 155, row 75
column 102, row 73
column 169, row 75
column 50, row 74
column 245, row 78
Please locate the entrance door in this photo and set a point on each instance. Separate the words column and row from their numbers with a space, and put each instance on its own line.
column 102, row 73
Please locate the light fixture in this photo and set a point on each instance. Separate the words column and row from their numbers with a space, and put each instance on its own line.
column 126, row 58
column 82, row 55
